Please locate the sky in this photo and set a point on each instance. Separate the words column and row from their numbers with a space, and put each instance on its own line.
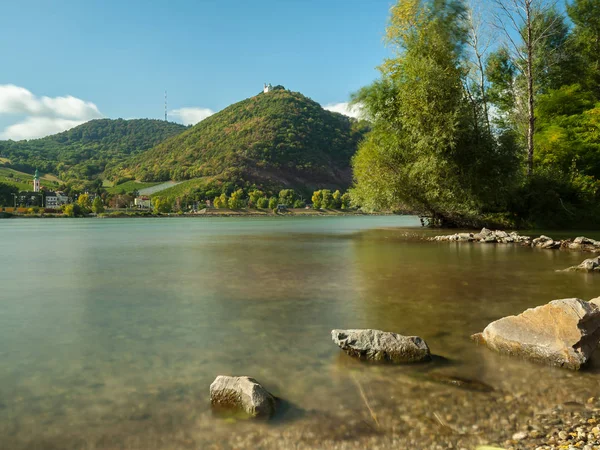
column 65, row 62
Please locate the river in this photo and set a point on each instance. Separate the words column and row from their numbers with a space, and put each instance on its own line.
column 111, row 331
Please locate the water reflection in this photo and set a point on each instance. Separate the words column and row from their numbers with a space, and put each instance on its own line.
column 112, row 331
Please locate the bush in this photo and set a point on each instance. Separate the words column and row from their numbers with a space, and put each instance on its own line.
column 273, row 203
column 262, row 202
column 299, row 204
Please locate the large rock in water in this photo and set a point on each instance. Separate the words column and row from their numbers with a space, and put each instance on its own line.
column 562, row 333
column 242, row 393
column 589, row 265
column 376, row 345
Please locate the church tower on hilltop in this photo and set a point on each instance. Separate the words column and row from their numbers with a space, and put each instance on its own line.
column 36, row 181
column 267, row 88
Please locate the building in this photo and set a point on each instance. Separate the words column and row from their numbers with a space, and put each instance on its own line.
column 267, row 88
column 55, row 200
column 142, row 202
column 36, row 181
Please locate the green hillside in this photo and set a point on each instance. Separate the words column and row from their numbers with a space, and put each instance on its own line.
column 84, row 152
column 24, row 181
column 279, row 139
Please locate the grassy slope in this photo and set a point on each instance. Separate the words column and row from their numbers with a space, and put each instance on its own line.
column 24, row 181
column 281, row 137
column 129, row 186
column 87, row 150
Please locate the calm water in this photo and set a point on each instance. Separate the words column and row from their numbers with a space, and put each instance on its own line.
column 112, row 330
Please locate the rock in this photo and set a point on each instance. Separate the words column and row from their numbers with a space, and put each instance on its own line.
column 596, row 301
column 589, row 265
column 242, row 393
column 376, row 345
column 520, row 435
column 562, row 333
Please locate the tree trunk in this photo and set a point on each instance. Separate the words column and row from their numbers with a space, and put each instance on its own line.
column 530, row 93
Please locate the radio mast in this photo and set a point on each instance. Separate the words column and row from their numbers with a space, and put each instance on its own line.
column 165, row 106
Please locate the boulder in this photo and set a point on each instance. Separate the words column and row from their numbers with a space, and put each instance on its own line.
column 589, row 265
column 546, row 242
column 376, row 345
column 243, row 394
column 562, row 333
column 595, row 301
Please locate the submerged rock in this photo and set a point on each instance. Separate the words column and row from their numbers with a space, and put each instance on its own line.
column 243, row 394
column 589, row 265
column 376, row 345
column 562, row 333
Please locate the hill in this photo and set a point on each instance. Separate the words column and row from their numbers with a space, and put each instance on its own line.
column 275, row 139
column 84, row 152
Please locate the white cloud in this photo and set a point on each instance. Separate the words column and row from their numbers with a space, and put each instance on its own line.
column 44, row 115
column 191, row 116
column 345, row 109
column 34, row 127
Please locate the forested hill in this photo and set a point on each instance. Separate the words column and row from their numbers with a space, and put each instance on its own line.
column 85, row 151
column 279, row 138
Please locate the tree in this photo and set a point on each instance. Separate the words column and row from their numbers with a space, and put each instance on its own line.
column 162, row 205
column 337, row 199
column 84, row 201
column 221, row 202
column 585, row 14
column 425, row 151
column 287, row 197
column 262, row 202
column 317, row 199
column 236, row 201
column 73, row 210
column 97, row 205
column 253, row 197
column 299, row 204
column 273, row 203
column 6, row 194
column 345, row 200
column 523, row 24
column 327, row 199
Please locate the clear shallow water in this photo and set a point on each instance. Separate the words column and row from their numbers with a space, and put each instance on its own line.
column 112, row 330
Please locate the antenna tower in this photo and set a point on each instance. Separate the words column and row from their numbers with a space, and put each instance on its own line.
column 165, row 106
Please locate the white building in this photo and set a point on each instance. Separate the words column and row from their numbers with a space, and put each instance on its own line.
column 267, row 88
column 142, row 202
column 55, row 200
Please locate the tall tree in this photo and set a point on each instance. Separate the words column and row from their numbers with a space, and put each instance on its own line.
column 523, row 24
column 585, row 15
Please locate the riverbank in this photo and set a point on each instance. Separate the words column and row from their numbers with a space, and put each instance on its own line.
column 210, row 212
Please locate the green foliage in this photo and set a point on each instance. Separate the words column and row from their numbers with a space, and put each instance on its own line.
column 6, row 197
column 287, row 197
column 73, row 210
column 299, row 203
column 427, row 151
column 253, row 198
column 327, row 199
column 346, row 201
column 262, row 202
column 98, row 205
column 282, row 138
column 86, row 151
column 317, row 200
column 162, row 205
column 84, row 201
column 237, row 199
column 221, row 202
column 273, row 203
column 337, row 199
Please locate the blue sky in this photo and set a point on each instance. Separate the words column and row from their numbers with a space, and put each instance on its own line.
column 64, row 62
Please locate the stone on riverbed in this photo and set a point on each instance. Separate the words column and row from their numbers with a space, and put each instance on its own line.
column 589, row 265
column 562, row 333
column 243, row 394
column 546, row 242
column 376, row 345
